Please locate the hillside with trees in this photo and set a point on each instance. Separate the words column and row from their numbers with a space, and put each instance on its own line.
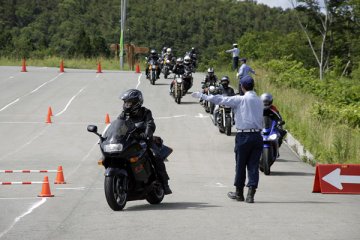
column 311, row 49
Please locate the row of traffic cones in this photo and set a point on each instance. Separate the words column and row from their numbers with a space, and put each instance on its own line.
column 23, row 67
column 50, row 114
column 45, row 190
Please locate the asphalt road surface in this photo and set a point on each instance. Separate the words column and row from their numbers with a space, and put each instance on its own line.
column 201, row 169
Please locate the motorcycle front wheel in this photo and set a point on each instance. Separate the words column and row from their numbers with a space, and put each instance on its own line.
column 266, row 159
column 156, row 195
column 228, row 126
column 115, row 191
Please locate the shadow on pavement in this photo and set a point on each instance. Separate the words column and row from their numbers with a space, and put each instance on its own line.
column 171, row 206
column 273, row 173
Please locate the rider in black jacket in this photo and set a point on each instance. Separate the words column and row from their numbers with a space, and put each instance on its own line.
column 153, row 56
column 178, row 69
column 133, row 109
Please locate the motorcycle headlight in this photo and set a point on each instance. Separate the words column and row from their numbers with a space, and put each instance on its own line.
column 113, row 148
column 212, row 89
column 179, row 80
column 272, row 137
column 167, row 61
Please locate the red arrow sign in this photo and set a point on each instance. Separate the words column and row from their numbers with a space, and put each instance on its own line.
column 337, row 178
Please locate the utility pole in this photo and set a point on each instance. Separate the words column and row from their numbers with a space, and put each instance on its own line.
column 122, row 26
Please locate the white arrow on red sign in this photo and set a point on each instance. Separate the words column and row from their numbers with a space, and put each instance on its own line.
column 335, row 179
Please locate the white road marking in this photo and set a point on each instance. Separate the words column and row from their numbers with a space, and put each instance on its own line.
column 11, row 77
column 201, row 116
column 17, row 219
column 68, row 104
column 18, row 149
column 139, row 82
column 13, row 102
column 75, row 188
column 36, row 89
column 51, row 80
column 97, row 75
column 176, row 116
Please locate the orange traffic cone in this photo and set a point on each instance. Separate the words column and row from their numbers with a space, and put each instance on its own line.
column 60, row 176
column 23, row 65
column 137, row 68
column 107, row 119
column 99, row 68
column 48, row 119
column 50, row 111
column 62, row 66
column 45, row 192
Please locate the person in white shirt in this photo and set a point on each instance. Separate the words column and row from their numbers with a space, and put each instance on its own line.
column 235, row 55
column 248, row 110
column 244, row 71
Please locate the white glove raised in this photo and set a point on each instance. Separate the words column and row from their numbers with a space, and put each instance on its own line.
column 196, row 94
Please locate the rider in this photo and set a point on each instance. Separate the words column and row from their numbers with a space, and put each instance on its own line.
column 271, row 111
column 210, row 79
column 179, row 69
column 153, row 56
column 133, row 109
column 225, row 90
column 193, row 57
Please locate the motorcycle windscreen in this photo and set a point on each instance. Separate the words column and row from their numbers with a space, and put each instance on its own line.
column 118, row 131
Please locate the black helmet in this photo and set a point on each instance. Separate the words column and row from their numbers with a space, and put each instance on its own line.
column 267, row 99
column 133, row 100
column 192, row 50
column 225, row 81
column 153, row 52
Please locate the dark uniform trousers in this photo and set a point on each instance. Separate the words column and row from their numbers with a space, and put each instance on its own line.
column 248, row 149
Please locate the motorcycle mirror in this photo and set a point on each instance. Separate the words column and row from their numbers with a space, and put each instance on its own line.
column 92, row 128
column 282, row 122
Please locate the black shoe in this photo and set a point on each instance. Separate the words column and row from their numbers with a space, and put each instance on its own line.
column 238, row 195
column 167, row 189
column 250, row 195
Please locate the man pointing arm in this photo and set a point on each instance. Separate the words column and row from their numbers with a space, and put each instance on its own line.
column 248, row 111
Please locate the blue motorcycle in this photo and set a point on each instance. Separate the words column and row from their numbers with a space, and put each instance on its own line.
column 271, row 135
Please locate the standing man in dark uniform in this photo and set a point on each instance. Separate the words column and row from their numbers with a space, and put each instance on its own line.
column 248, row 111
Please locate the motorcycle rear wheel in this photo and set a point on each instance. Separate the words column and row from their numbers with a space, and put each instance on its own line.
column 266, row 159
column 115, row 192
column 156, row 195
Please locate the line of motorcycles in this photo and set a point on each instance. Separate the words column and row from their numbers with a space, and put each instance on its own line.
column 223, row 117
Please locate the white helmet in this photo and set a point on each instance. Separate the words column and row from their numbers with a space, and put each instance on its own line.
column 187, row 59
column 168, row 50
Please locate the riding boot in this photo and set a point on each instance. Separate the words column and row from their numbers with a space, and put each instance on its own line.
column 166, row 187
column 238, row 194
column 250, row 195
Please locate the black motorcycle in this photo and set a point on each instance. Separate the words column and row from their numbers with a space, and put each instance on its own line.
column 224, row 119
column 178, row 89
column 153, row 68
column 210, row 89
column 129, row 172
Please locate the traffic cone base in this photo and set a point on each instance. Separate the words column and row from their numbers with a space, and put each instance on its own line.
column 99, row 68
column 45, row 191
column 62, row 66
column 137, row 68
column 48, row 119
column 60, row 176
column 107, row 119
column 23, row 69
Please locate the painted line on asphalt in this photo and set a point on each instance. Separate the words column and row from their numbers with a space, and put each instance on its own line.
column 68, row 104
column 51, row 80
column 17, row 219
column 36, row 89
column 139, row 81
column 176, row 116
column 13, row 102
column 18, row 149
